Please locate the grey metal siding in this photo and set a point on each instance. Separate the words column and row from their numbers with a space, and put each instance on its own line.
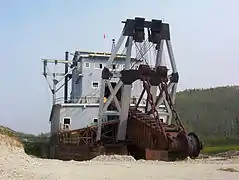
column 55, row 125
column 93, row 74
column 80, row 116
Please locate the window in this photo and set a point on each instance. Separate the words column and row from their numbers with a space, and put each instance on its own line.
column 95, row 85
column 114, row 66
column 67, row 120
column 98, row 66
column 95, row 120
column 66, row 123
column 87, row 64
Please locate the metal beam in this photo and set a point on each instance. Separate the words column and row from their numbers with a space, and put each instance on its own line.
column 125, row 97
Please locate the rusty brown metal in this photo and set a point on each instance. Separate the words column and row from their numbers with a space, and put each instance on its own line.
column 149, row 143
column 87, row 152
column 147, row 136
column 156, row 155
column 143, row 132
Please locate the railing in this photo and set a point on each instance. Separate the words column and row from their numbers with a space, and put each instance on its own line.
column 92, row 99
column 77, row 140
column 86, row 99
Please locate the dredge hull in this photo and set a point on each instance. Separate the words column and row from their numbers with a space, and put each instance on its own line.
column 143, row 141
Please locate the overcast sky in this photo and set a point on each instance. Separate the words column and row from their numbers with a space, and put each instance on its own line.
column 205, row 38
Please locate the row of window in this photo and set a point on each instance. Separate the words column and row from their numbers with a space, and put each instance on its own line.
column 100, row 66
column 95, row 85
column 67, row 121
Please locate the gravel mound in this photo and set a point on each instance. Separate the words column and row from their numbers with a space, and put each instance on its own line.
column 10, row 142
column 122, row 158
column 228, row 154
column 203, row 156
column 15, row 164
column 11, row 150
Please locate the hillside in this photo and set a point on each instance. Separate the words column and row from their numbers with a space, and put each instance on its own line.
column 210, row 112
column 8, row 138
column 7, row 131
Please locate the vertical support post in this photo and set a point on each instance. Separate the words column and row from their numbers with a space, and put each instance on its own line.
column 153, row 89
column 66, row 77
column 173, row 93
column 54, row 89
column 125, row 98
column 113, row 45
column 74, row 76
column 102, row 86
column 159, row 59
column 174, row 68
column 171, row 56
column 44, row 68
column 101, row 106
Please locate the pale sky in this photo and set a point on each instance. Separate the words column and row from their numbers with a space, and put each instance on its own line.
column 205, row 39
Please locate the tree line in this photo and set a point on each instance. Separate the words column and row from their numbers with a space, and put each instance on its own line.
column 212, row 112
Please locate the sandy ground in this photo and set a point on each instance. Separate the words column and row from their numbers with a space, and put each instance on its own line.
column 15, row 164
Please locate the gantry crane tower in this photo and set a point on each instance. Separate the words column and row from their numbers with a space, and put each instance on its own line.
column 158, row 35
column 159, row 86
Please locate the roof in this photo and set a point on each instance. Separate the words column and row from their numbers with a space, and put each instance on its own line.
column 99, row 54
column 89, row 54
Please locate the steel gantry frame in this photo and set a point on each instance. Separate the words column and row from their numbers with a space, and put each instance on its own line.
column 133, row 31
column 55, row 80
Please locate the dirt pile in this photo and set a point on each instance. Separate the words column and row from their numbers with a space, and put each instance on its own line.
column 11, row 149
column 15, row 164
column 121, row 158
column 203, row 156
column 10, row 142
column 228, row 154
